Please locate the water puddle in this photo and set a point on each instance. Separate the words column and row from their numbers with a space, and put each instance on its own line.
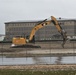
column 37, row 60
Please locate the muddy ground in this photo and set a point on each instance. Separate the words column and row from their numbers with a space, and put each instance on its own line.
column 39, row 49
column 47, row 48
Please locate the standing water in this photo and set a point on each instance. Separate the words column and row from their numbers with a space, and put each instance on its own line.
column 37, row 60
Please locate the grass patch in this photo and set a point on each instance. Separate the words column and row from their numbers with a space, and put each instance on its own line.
column 28, row 72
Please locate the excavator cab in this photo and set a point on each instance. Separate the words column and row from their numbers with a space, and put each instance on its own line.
column 18, row 41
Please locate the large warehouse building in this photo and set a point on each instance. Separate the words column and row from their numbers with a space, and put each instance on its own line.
column 49, row 32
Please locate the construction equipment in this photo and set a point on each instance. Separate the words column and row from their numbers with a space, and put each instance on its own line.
column 23, row 41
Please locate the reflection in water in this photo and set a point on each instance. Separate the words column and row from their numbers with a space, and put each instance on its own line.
column 38, row 60
column 58, row 60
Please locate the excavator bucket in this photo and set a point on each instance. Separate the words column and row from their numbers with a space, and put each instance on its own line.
column 64, row 38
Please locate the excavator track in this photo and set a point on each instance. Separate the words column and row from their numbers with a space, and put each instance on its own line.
column 26, row 46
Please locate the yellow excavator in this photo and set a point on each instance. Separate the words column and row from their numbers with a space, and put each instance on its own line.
column 18, row 41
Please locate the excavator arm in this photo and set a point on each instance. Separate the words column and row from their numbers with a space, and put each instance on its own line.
column 44, row 23
column 60, row 30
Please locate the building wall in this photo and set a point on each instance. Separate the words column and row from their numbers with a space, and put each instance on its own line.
column 46, row 33
column 18, row 29
column 68, row 26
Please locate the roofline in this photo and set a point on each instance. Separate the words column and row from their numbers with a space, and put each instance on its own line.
column 67, row 20
column 31, row 21
column 36, row 21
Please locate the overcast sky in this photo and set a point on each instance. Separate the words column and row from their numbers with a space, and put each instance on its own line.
column 14, row 10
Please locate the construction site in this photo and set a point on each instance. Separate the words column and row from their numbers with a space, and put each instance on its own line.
column 37, row 37
column 27, row 53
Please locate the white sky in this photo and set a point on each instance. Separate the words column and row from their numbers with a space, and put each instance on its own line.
column 14, row 10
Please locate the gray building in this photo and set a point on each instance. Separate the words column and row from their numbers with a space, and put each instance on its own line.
column 23, row 28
